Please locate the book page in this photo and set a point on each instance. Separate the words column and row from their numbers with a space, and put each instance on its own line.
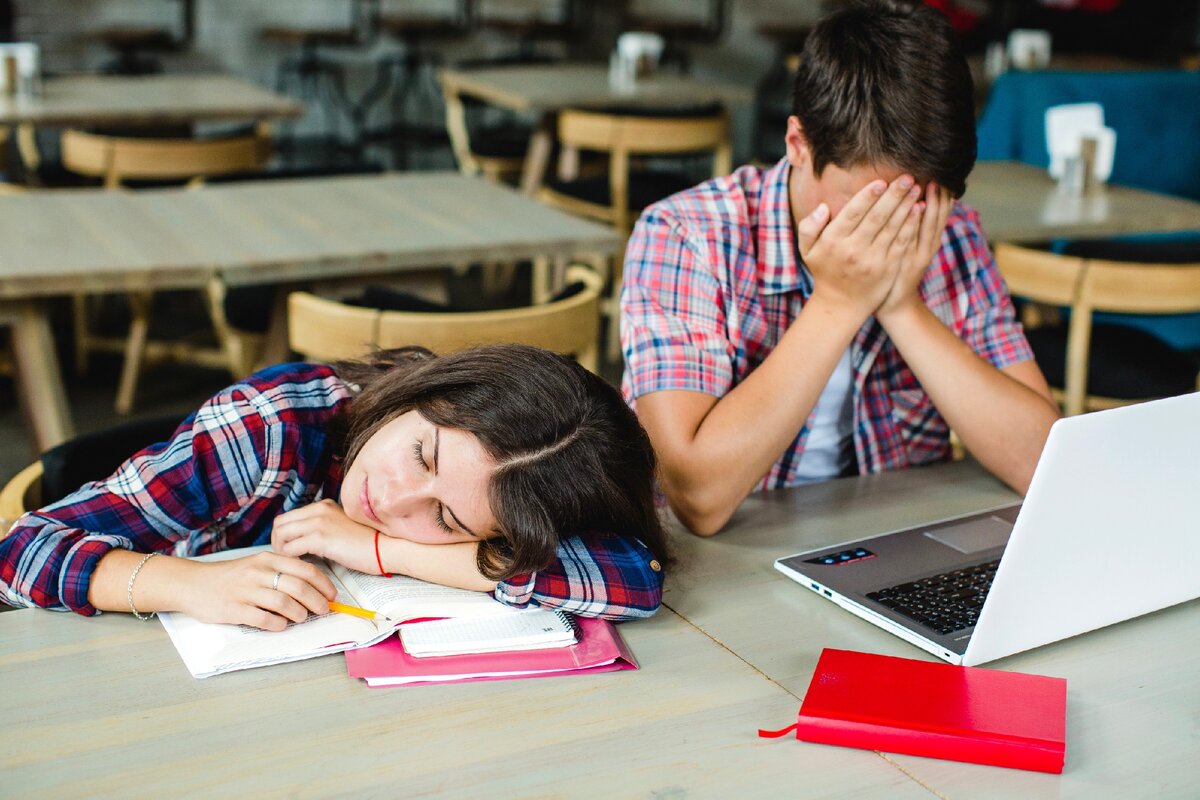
column 401, row 597
column 212, row 648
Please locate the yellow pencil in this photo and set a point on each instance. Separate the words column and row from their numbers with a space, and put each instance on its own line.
column 358, row 612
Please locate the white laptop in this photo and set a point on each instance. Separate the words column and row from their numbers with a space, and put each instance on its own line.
column 1109, row 530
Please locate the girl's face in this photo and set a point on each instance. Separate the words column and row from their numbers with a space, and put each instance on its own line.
column 416, row 481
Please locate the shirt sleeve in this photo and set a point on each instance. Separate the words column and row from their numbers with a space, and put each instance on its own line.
column 673, row 325
column 600, row 575
column 990, row 325
column 154, row 501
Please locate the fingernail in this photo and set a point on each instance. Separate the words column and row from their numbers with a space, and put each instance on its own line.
column 906, row 181
column 878, row 187
column 820, row 211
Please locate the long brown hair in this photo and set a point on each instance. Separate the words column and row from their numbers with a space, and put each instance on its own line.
column 571, row 457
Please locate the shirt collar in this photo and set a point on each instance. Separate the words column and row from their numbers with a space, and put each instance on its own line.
column 780, row 268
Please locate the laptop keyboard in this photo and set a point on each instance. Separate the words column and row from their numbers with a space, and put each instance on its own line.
column 946, row 603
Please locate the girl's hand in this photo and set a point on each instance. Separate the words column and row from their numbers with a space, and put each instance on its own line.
column 244, row 591
column 323, row 529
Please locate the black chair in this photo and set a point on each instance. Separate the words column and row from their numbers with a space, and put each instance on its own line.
column 88, row 457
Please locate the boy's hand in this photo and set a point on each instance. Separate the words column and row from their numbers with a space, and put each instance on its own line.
column 323, row 529
column 855, row 258
column 935, row 210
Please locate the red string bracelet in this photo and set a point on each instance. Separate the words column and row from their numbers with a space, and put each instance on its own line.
column 379, row 560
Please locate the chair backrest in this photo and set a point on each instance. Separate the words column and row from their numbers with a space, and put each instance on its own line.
column 624, row 135
column 121, row 158
column 326, row 330
column 22, row 493
column 1089, row 285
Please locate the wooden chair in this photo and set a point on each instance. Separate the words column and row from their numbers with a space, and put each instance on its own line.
column 498, row 155
column 1096, row 367
column 619, row 197
column 118, row 159
column 326, row 330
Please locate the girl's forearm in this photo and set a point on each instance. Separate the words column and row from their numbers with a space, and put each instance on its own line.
column 445, row 564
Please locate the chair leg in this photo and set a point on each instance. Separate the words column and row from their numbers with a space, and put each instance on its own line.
column 613, row 350
column 79, row 313
column 135, row 349
column 242, row 350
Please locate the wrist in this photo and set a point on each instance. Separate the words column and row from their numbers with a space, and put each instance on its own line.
column 392, row 555
column 836, row 310
column 901, row 314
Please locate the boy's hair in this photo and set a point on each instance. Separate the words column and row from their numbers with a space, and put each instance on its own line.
column 571, row 456
column 885, row 83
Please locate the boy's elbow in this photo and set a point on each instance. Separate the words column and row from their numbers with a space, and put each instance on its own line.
column 698, row 512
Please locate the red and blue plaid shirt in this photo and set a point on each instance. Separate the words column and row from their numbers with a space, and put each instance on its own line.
column 713, row 280
column 252, row 452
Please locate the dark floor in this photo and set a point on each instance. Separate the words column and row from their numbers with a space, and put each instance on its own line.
column 165, row 389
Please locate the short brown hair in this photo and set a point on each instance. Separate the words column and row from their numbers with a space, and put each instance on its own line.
column 885, row 83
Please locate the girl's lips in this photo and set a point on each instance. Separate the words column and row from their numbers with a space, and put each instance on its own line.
column 364, row 499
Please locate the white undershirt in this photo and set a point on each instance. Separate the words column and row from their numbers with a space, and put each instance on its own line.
column 829, row 449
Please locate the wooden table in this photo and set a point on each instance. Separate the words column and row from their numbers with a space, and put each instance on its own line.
column 549, row 88
column 1133, row 689
column 1020, row 203
column 146, row 100
column 251, row 233
column 105, row 706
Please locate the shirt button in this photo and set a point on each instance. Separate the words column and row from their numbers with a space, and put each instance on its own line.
column 654, row 565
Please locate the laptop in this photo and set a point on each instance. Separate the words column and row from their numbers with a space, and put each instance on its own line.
column 1109, row 530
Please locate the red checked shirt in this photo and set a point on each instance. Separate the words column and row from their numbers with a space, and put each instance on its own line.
column 252, row 452
column 713, row 280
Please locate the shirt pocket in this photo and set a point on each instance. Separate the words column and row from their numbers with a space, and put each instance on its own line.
column 924, row 434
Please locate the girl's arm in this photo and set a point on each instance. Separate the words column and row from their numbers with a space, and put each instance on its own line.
column 600, row 575
column 201, row 491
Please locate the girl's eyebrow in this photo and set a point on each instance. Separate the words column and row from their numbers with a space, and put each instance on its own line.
column 437, row 442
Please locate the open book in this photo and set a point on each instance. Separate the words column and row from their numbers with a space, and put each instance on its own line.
column 212, row 648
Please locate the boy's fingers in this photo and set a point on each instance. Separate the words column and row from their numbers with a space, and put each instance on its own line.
column 856, row 210
column 899, row 218
column 810, row 228
column 881, row 214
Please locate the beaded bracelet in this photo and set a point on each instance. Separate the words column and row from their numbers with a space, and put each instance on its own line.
column 379, row 560
column 129, row 589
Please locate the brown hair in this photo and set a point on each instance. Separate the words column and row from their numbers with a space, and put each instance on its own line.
column 885, row 83
column 572, row 457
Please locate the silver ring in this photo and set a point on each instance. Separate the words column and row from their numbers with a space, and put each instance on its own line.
column 275, row 583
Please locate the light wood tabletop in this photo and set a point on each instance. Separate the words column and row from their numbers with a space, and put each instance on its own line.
column 549, row 88
column 1021, row 203
column 251, row 233
column 146, row 100
column 1133, row 689
column 552, row 87
column 104, row 707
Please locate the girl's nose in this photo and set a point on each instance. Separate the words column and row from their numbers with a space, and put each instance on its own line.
column 404, row 495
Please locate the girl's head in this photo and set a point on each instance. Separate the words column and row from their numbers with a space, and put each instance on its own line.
column 509, row 445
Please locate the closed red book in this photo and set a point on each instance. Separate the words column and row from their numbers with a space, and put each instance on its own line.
column 898, row 705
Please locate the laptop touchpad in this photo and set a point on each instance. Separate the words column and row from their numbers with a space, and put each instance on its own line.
column 975, row 535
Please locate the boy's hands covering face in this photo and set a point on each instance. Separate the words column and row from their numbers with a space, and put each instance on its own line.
column 936, row 210
column 856, row 258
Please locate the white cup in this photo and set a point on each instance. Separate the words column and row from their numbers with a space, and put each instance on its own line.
column 19, row 68
column 1029, row 48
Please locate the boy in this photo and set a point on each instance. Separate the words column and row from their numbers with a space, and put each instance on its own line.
column 839, row 312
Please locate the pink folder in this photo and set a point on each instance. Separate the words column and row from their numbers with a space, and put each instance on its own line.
column 600, row 649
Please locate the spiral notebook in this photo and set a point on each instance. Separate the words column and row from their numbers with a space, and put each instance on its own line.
column 535, row 629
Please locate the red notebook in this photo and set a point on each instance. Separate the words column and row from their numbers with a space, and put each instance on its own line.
column 600, row 649
column 898, row 705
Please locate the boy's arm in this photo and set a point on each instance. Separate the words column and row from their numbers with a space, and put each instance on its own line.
column 1002, row 414
column 713, row 451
